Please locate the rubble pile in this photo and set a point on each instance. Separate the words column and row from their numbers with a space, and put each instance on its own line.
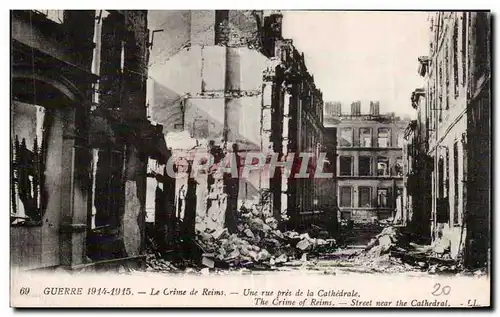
column 154, row 263
column 390, row 239
column 390, row 251
column 257, row 243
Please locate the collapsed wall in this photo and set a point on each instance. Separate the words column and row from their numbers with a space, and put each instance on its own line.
column 223, row 94
column 213, row 96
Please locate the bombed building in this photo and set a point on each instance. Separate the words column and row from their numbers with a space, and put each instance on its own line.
column 226, row 83
column 80, row 138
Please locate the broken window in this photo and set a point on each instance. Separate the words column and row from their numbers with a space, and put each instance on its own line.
column 382, row 166
column 345, row 166
column 221, row 27
column 110, row 60
column 107, row 187
column 346, row 137
column 382, row 197
column 383, row 137
column 365, row 166
column 365, row 137
column 365, row 198
column 28, row 163
column 441, row 177
column 200, row 129
column 345, row 196
column 398, row 167
column 96, row 56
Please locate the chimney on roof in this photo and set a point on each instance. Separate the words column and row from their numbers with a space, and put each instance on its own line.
column 356, row 108
column 337, row 109
column 374, row 108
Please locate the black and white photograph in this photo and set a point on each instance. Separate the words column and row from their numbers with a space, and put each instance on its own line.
column 251, row 158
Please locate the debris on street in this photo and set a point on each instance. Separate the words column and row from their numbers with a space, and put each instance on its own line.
column 391, row 251
column 157, row 264
column 258, row 243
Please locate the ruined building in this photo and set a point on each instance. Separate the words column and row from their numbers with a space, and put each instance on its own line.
column 309, row 200
column 418, row 167
column 458, row 103
column 226, row 82
column 370, row 163
column 80, row 139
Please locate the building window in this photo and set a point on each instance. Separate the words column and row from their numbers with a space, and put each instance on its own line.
column 345, row 166
column 346, row 137
column 365, row 166
column 447, row 74
column 455, row 59
column 384, row 137
column 398, row 167
column 122, row 56
column 365, row 196
column 200, row 128
column 442, row 207
column 345, row 196
column 400, row 140
column 382, row 197
column 440, row 90
column 365, row 137
column 448, row 172
column 382, row 166
column 96, row 57
column 27, row 163
column 107, row 187
column 464, row 47
column 455, row 181
column 441, row 177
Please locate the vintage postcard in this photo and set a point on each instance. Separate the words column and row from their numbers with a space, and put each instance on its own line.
column 250, row 158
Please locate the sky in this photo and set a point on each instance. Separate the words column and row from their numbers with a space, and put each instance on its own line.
column 362, row 55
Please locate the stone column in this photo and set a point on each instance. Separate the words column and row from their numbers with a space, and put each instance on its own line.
column 73, row 195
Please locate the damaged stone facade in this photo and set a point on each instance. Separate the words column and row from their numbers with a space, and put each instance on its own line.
column 299, row 113
column 224, row 84
column 369, row 163
column 79, row 101
column 458, row 104
column 418, row 166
